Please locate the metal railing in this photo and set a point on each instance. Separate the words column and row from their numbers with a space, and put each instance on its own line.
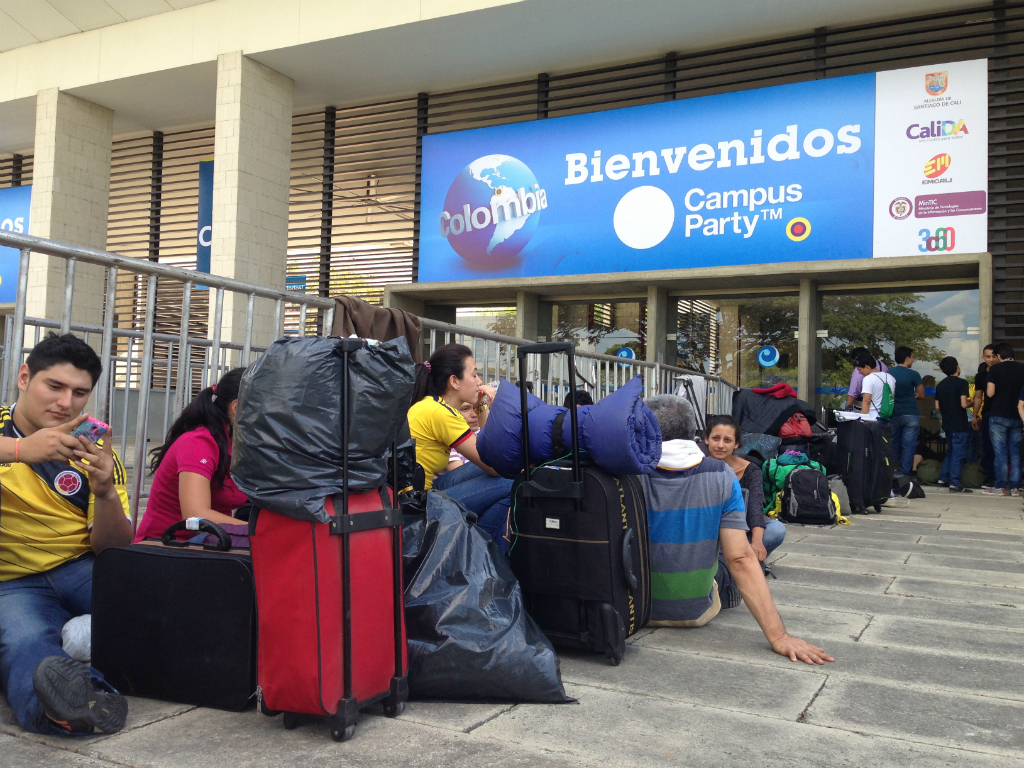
column 598, row 374
column 138, row 363
column 149, row 376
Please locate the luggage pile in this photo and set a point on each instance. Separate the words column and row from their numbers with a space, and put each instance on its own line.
column 796, row 453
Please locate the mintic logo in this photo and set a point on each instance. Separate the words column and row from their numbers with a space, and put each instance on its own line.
column 900, row 208
column 935, row 83
column 937, row 166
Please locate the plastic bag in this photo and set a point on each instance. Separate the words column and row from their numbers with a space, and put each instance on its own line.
column 76, row 638
column 469, row 634
column 287, row 453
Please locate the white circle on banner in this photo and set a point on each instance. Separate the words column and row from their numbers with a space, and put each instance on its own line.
column 644, row 217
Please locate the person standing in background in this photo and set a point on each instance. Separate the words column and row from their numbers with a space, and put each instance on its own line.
column 905, row 420
column 952, row 401
column 980, row 422
column 856, row 389
column 1002, row 389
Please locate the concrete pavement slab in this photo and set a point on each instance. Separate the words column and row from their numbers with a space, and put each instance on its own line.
column 715, row 682
column 955, row 637
column 212, row 739
column 453, row 717
column 834, row 580
column 633, row 730
column 936, row 718
column 788, row 594
column 23, row 753
column 993, row 561
column 810, row 622
column 876, row 567
column 919, row 667
column 968, row 593
column 992, row 544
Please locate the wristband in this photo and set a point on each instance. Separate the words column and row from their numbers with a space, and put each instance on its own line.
column 17, row 445
column 192, row 523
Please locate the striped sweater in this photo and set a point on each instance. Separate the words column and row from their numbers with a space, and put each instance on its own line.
column 689, row 498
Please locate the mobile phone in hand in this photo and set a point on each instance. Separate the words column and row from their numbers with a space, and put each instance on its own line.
column 91, row 428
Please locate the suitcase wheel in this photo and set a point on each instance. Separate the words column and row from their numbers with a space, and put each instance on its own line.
column 394, row 711
column 878, row 508
column 339, row 734
column 291, row 721
column 613, row 658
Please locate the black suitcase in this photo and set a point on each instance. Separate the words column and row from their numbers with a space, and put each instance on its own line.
column 177, row 622
column 580, row 544
column 865, row 462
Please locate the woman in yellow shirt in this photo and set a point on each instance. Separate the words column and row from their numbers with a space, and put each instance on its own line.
column 444, row 383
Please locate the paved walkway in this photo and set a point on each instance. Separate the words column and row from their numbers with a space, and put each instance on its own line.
column 922, row 607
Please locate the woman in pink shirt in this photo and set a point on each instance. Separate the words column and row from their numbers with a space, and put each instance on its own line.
column 191, row 475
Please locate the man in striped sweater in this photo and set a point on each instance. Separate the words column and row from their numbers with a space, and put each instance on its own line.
column 695, row 506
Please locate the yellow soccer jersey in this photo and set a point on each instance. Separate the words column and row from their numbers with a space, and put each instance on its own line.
column 437, row 428
column 46, row 511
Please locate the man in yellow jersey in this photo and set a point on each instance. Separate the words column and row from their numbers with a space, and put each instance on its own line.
column 62, row 499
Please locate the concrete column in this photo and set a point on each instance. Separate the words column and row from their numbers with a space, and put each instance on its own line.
column 533, row 317
column 729, row 341
column 662, row 319
column 808, row 346
column 70, row 196
column 985, row 288
column 251, row 174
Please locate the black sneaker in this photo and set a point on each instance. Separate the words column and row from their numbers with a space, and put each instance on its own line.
column 69, row 698
column 959, row 489
column 942, row 483
column 729, row 594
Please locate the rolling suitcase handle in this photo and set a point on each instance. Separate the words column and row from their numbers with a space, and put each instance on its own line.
column 343, row 725
column 205, row 526
column 531, row 488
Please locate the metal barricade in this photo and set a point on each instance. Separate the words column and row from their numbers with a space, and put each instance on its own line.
column 598, row 374
column 131, row 365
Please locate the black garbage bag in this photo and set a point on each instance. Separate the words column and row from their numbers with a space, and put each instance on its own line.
column 287, row 453
column 469, row 635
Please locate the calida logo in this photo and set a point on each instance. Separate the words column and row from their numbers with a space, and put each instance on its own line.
column 937, row 129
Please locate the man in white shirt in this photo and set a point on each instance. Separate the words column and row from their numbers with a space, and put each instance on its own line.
column 874, row 382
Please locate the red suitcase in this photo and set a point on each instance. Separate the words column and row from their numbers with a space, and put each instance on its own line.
column 329, row 599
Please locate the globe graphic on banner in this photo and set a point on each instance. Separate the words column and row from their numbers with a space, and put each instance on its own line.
column 492, row 187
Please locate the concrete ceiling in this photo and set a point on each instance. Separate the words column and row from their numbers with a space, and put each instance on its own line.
column 24, row 22
column 499, row 44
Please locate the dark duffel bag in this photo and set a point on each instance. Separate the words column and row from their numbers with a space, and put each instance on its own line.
column 580, row 545
column 865, row 462
column 177, row 622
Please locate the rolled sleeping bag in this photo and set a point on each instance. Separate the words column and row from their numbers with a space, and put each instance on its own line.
column 619, row 433
column 500, row 442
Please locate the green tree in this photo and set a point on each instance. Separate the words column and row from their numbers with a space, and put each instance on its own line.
column 876, row 322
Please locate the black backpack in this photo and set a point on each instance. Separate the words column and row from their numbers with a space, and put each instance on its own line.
column 806, row 498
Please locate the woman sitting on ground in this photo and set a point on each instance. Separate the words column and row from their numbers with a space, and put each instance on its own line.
column 191, row 475
column 722, row 437
column 446, row 382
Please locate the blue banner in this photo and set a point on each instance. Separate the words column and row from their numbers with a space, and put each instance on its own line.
column 204, row 228
column 15, row 204
column 770, row 175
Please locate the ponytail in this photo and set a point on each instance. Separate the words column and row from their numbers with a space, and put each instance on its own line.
column 432, row 376
column 208, row 409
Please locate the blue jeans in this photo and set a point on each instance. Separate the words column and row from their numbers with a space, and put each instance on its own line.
column 33, row 610
column 956, row 453
column 482, row 494
column 1006, row 435
column 987, row 454
column 774, row 533
column 904, row 440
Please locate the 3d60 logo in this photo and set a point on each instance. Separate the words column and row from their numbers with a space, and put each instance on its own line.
column 943, row 240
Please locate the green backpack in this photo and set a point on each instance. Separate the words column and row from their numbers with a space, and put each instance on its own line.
column 887, row 403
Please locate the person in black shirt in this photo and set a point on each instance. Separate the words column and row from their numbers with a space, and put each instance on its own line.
column 952, row 398
column 980, row 444
column 1002, row 390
